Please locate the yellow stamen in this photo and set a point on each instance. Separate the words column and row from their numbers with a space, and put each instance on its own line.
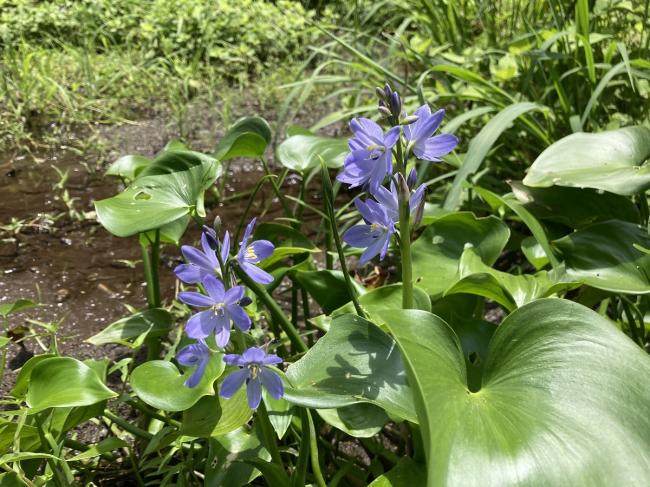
column 250, row 253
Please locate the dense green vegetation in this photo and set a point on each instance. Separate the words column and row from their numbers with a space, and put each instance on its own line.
column 454, row 293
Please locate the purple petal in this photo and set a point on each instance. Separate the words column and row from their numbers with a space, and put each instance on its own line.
column 234, row 295
column 412, row 178
column 254, row 393
column 206, row 244
column 272, row 382
column 374, row 249
column 189, row 273
column 271, row 359
column 367, row 130
column 201, row 324
column 196, row 377
column 222, row 334
column 233, row 382
column 436, row 147
column 225, row 247
column 256, row 274
column 234, row 359
column 416, row 197
column 193, row 354
column 195, row 299
column 391, row 138
column 196, row 257
column 253, row 355
column 247, row 234
column 215, row 288
column 361, row 236
column 239, row 317
column 262, row 249
column 382, row 167
column 357, row 172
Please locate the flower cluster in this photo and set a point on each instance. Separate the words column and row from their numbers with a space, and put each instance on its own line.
column 222, row 304
column 370, row 161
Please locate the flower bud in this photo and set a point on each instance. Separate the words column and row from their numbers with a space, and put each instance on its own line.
column 385, row 112
column 395, row 103
column 388, row 91
column 380, row 93
column 211, row 236
column 412, row 178
column 402, row 188
column 419, row 213
column 409, row 120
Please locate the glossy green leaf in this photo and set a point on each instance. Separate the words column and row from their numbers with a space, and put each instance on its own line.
column 573, row 207
column 153, row 322
column 225, row 466
column 214, row 415
column 22, row 381
column 168, row 189
column 436, row 254
column 302, row 153
column 280, row 413
column 407, row 473
column 481, row 145
column 361, row 420
column 249, row 137
column 28, row 436
column 161, row 385
column 328, row 288
column 557, row 405
column 64, row 382
column 355, row 362
column 509, row 290
column 534, row 252
column 128, row 167
column 611, row 161
column 604, row 256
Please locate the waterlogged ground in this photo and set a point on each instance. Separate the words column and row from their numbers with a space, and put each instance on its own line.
column 57, row 254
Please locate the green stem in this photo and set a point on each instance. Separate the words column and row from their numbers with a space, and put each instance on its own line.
column 313, row 449
column 151, row 413
column 46, row 439
column 269, row 434
column 276, row 190
column 151, row 262
column 126, row 426
column 405, row 234
column 329, row 204
column 300, row 471
column 276, row 312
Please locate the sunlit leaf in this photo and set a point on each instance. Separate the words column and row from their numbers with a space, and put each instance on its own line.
column 611, row 161
column 154, row 322
column 304, row 152
column 64, row 382
column 557, row 405
column 249, row 137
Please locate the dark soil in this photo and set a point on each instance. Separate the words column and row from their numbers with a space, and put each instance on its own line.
column 60, row 257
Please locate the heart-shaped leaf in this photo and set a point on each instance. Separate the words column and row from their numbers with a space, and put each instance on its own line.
column 361, row 420
column 214, row 415
column 64, row 382
column 128, row 167
column 557, row 405
column 604, row 256
column 154, row 322
column 225, row 465
column 168, row 189
column 355, row 362
column 161, row 385
column 249, row 137
column 302, row 153
column 436, row 254
column 611, row 161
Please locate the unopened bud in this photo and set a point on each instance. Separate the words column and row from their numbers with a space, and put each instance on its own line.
column 419, row 212
column 388, row 91
column 402, row 188
column 412, row 178
column 211, row 236
column 385, row 112
column 409, row 120
column 245, row 301
column 380, row 93
column 395, row 102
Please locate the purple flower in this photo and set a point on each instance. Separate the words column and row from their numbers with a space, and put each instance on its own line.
column 370, row 158
column 390, row 200
column 194, row 355
column 250, row 255
column 202, row 264
column 419, row 135
column 375, row 235
column 255, row 373
column 224, row 307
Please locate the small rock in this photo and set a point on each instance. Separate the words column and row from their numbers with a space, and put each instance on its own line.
column 62, row 294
